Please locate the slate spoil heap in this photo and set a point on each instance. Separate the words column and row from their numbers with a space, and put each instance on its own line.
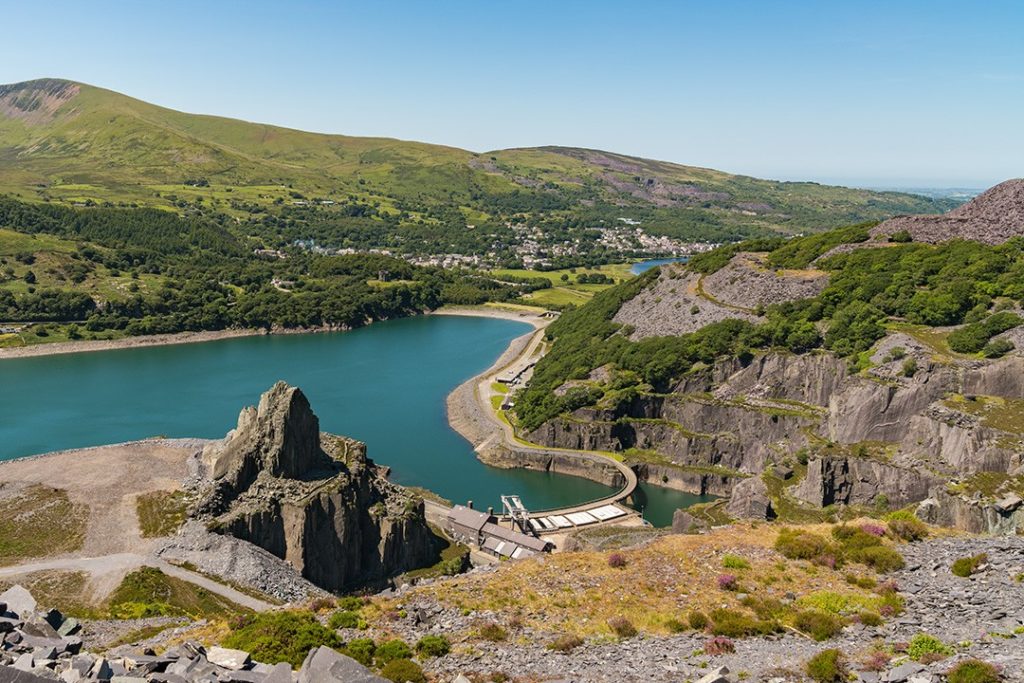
column 37, row 646
column 314, row 500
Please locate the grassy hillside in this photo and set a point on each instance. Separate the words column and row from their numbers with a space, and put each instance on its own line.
column 73, row 143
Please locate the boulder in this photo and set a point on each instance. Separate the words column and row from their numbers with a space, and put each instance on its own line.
column 324, row 665
column 228, row 658
column 9, row 674
column 750, row 500
column 18, row 600
column 281, row 673
column 685, row 523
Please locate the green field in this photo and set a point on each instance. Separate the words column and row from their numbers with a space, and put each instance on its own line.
column 566, row 292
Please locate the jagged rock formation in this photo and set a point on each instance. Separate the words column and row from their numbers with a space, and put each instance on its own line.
column 312, row 499
column 750, row 500
column 871, row 438
column 992, row 217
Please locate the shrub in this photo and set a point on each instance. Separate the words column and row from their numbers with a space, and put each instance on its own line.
column 966, row 566
column 343, row 619
column 718, row 645
column 873, row 529
column 361, row 650
column 764, row 608
column 492, row 632
column 909, row 368
column 828, row 666
column 617, row 560
column 390, row 650
column 622, row 627
column 879, row 558
column 901, row 237
column 565, row 643
column 403, row 671
column 320, row 604
column 817, row 624
column 974, row 671
column 922, row 645
column 727, row 582
column 735, row 624
column 860, row 581
column 869, row 618
column 698, row 621
column 800, row 545
column 730, row 561
column 433, row 646
column 282, row 636
column 907, row 527
column 997, row 348
column 876, row 660
column 350, row 603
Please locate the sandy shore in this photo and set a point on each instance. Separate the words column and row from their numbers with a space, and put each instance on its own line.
column 126, row 343
column 526, row 316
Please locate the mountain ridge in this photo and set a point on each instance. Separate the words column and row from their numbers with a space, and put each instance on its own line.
column 72, row 142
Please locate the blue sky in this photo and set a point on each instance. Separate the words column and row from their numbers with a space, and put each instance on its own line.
column 869, row 93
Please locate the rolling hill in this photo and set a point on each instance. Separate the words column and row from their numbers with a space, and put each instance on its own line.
column 70, row 142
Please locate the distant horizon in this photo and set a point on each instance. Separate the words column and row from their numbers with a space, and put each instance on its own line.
column 787, row 90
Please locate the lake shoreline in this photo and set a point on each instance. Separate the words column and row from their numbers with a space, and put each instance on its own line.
column 150, row 340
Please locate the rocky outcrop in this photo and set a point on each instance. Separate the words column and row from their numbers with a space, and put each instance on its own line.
column 1004, row 516
column 312, row 499
column 750, row 500
column 860, row 481
column 992, row 217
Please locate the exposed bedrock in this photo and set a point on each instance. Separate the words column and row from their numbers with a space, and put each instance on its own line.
column 312, row 499
column 691, row 481
column 596, row 468
column 1004, row 516
column 959, row 443
column 859, row 481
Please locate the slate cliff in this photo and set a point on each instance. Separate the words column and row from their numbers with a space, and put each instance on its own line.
column 312, row 499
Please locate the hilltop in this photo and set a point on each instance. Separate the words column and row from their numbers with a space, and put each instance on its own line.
column 70, row 142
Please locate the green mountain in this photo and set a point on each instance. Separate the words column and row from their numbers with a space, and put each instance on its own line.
column 71, row 142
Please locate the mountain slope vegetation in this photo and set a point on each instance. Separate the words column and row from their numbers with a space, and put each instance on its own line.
column 68, row 142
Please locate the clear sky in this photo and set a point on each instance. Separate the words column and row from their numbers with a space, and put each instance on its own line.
column 908, row 93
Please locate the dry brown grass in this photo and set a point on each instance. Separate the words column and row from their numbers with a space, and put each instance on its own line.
column 161, row 513
column 578, row 593
column 66, row 590
column 38, row 521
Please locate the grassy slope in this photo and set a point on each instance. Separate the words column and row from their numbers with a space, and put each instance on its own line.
column 106, row 146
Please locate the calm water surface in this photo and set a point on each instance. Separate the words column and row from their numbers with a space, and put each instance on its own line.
column 384, row 384
column 644, row 266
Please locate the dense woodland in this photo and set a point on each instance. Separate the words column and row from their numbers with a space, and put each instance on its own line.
column 955, row 283
column 203, row 276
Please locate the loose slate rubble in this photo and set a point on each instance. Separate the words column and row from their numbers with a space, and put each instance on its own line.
column 41, row 647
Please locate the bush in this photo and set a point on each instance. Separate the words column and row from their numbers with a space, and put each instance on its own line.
column 492, row 632
column 350, row 603
column 433, row 646
column 817, row 624
column 343, row 619
column 828, row 666
column 879, row 558
column 361, row 650
column 565, row 643
column 909, row 368
column 800, row 545
column 735, row 624
column 734, row 562
column 718, row 645
column 282, row 636
column 974, row 671
column 870, row 618
column 617, row 560
column 906, row 526
column 967, row 566
column 727, row 582
column 622, row 627
column 873, row 529
column 924, row 646
column 391, row 650
column 698, row 621
column 403, row 671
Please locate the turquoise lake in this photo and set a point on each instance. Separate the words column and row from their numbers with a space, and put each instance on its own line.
column 644, row 266
column 384, row 384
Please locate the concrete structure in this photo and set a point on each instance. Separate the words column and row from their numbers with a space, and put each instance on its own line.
column 479, row 529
